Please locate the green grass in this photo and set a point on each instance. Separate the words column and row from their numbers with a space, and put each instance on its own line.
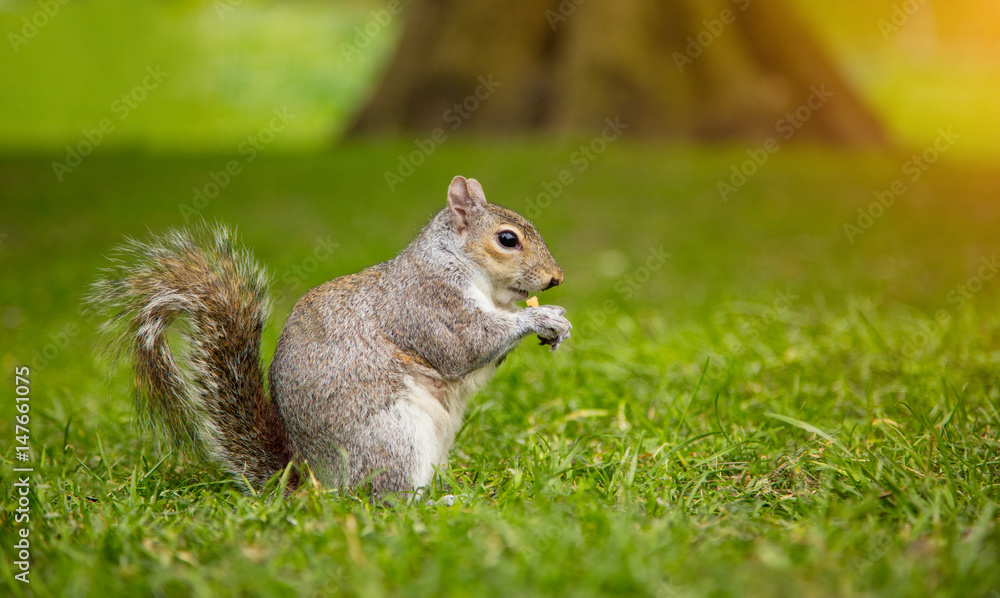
column 775, row 411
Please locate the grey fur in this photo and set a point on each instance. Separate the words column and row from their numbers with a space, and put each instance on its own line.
column 212, row 399
column 372, row 370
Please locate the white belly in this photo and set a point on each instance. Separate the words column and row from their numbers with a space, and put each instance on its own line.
column 432, row 412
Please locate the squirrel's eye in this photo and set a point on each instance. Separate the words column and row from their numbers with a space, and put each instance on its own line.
column 507, row 239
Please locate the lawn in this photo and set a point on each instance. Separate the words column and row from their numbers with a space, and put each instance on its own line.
column 756, row 400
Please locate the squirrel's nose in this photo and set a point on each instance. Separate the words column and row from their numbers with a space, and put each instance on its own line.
column 554, row 281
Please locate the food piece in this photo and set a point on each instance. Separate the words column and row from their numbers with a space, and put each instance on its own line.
column 533, row 302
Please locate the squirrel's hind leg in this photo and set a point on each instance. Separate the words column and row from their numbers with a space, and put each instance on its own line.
column 395, row 453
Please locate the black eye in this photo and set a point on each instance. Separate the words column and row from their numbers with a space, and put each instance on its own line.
column 507, row 239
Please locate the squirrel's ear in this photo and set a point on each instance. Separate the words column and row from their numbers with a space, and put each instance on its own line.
column 465, row 197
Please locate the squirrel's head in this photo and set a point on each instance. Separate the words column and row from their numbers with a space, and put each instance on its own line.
column 501, row 242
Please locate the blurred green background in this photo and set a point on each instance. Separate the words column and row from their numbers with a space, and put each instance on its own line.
column 226, row 72
column 786, row 405
column 231, row 63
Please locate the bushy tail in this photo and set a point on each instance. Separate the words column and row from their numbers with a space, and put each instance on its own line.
column 207, row 393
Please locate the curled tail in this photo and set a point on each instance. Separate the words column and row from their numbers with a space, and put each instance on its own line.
column 208, row 394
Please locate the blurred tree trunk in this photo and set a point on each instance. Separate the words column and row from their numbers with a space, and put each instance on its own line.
column 706, row 69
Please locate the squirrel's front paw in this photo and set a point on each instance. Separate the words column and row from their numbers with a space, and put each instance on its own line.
column 549, row 324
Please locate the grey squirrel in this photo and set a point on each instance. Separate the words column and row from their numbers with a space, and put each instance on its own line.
column 372, row 372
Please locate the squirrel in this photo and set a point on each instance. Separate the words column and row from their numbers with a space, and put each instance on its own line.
column 372, row 371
